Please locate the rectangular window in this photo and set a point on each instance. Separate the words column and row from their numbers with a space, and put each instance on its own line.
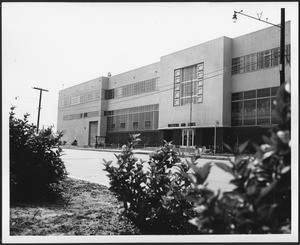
column 275, row 56
column 235, row 66
column 237, row 113
column 253, row 62
column 147, row 124
column 109, row 94
column 264, row 92
column 274, row 119
column 260, row 60
column 274, row 91
column 263, row 111
column 122, row 125
column 249, row 112
column 237, row 96
column 135, row 125
column 250, row 94
column 247, row 63
column 256, row 108
column 267, row 59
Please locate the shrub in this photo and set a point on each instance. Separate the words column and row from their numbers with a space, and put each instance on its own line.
column 261, row 201
column 36, row 168
column 152, row 191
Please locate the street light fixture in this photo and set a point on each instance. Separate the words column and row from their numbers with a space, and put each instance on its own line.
column 282, row 38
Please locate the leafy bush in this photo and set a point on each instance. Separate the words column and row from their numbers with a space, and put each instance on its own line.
column 152, row 192
column 36, row 168
column 261, row 201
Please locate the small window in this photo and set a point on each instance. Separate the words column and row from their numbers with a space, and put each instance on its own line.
column 122, row 125
column 85, row 114
column 147, row 124
column 135, row 125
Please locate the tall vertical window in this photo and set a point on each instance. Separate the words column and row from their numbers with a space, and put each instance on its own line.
column 188, row 85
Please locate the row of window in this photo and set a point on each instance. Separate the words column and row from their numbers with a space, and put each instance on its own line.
column 132, row 89
column 257, row 61
column 131, row 110
column 80, row 99
column 135, row 118
column 254, row 107
column 188, row 85
column 81, row 115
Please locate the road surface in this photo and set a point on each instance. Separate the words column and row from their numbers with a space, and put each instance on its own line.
column 88, row 165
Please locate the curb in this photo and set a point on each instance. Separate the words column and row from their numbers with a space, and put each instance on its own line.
column 148, row 152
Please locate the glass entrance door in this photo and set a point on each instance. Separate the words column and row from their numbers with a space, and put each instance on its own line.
column 187, row 137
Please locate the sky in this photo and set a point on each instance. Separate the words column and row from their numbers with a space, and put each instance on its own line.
column 58, row 45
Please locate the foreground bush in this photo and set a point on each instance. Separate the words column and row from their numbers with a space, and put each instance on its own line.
column 36, row 168
column 161, row 200
column 261, row 201
column 152, row 191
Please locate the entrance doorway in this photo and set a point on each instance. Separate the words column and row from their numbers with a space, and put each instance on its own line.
column 187, row 137
column 93, row 128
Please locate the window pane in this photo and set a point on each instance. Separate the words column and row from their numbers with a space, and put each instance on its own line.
column 263, row 111
column 267, row 59
column 242, row 65
column 249, row 112
column 236, row 113
column 237, row 96
column 260, row 60
column 247, row 63
column 275, row 56
column 274, row 119
column 265, row 92
column 250, row 94
column 274, row 91
column 253, row 62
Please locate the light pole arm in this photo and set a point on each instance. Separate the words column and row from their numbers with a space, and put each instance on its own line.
column 235, row 12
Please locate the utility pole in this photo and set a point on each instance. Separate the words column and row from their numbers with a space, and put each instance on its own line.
column 215, row 136
column 282, row 47
column 39, row 109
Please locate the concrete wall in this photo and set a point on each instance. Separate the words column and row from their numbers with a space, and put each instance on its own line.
column 130, row 77
column 227, row 60
column 78, row 128
column 203, row 114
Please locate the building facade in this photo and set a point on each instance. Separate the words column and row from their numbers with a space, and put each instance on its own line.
column 222, row 90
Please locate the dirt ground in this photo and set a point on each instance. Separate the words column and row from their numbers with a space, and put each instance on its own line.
column 90, row 209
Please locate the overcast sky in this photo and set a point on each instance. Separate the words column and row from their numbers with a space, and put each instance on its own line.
column 58, row 45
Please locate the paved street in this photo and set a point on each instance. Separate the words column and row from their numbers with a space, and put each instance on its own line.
column 87, row 165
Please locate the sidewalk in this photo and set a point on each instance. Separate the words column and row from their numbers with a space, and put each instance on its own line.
column 136, row 151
